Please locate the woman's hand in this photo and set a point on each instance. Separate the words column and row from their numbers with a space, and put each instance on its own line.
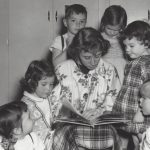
column 91, row 114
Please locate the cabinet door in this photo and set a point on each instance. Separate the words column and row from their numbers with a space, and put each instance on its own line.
column 58, row 12
column 136, row 9
column 29, row 37
column 4, row 6
column 103, row 4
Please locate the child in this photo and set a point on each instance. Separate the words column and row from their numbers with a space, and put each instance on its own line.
column 15, row 128
column 38, row 84
column 145, row 103
column 114, row 21
column 137, row 71
column 75, row 19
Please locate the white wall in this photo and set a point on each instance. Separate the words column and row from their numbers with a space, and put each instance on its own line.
column 136, row 9
column 4, row 51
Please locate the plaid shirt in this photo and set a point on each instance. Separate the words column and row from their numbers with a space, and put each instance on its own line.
column 127, row 101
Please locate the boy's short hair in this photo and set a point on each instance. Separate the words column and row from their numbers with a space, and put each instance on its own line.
column 145, row 89
column 140, row 30
column 75, row 8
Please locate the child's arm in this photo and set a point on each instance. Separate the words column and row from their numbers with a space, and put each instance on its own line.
column 58, row 56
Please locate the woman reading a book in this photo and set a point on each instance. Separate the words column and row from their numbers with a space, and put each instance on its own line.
column 90, row 84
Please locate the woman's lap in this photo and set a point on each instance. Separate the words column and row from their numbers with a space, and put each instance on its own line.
column 100, row 137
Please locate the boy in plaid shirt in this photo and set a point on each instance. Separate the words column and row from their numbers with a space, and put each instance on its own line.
column 137, row 71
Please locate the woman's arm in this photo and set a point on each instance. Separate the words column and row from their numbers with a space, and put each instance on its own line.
column 113, row 88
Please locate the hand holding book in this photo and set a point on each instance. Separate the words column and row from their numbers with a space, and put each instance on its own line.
column 68, row 115
column 91, row 114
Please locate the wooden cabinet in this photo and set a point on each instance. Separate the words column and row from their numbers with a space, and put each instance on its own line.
column 136, row 9
column 25, row 34
column 29, row 36
column 58, row 11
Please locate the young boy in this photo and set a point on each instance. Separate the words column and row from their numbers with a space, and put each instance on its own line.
column 137, row 71
column 145, row 103
column 75, row 19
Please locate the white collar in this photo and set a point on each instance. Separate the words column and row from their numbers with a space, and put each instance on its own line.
column 38, row 99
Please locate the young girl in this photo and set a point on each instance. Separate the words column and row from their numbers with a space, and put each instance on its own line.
column 38, row 84
column 114, row 20
column 15, row 128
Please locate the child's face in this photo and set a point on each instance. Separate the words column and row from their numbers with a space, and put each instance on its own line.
column 112, row 30
column 145, row 105
column 75, row 22
column 45, row 86
column 27, row 123
column 134, row 48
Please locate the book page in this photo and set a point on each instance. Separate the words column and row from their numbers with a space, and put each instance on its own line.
column 69, row 106
column 68, row 114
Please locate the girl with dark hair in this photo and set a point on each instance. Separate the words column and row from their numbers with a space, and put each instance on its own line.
column 38, row 84
column 113, row 21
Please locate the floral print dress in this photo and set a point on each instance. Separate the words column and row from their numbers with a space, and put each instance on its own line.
column 95, row 90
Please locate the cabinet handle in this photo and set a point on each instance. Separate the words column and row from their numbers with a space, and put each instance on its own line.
column 56, row 16
column 49, row 16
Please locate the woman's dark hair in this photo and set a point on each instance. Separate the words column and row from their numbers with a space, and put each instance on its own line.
column 36, row 71
column 11, row 117
column 114, row 15
column 139, row 30
column 89, row 40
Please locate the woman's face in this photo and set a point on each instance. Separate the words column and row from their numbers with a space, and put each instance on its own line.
column 89, row 60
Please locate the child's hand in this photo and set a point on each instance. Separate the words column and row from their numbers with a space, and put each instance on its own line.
column 138, row 116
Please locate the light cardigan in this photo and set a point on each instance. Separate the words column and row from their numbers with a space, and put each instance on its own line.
column 40, row 111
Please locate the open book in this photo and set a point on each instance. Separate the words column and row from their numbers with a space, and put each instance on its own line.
column 69, row 115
